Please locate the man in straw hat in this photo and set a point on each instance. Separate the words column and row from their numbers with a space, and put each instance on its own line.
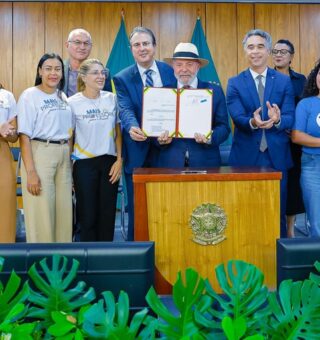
column 201, row 151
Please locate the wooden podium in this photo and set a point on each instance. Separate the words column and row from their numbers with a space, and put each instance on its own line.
column 165, row 199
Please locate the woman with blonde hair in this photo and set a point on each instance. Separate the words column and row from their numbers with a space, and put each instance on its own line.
column 8, row 133
column 96, row 153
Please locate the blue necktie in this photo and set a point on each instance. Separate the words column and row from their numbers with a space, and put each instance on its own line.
column 149, row 80
column 263, row 143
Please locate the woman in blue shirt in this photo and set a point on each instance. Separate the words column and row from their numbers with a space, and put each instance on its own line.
column 306, row 132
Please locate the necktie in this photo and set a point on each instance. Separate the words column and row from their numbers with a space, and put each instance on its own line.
column 186, row 86
column 149, row 80
column 263, row 143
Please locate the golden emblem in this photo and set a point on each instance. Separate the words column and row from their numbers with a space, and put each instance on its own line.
column 208, row 222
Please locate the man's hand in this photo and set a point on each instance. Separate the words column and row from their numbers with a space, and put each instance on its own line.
column 256, row 121
column 274, row 112
column 200, row 138
column 164, row 138
column 136, row 134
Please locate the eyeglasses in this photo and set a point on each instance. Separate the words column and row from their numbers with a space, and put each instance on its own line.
column 78, row 43
column 103, row 73
column 281, row 52
column 143, row 44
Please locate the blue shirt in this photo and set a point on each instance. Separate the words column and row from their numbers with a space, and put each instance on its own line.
column 308, row 120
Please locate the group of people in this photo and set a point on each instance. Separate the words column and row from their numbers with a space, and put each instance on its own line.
column 70, row 111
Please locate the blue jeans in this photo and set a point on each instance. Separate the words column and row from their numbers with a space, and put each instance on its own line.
column 310, row 185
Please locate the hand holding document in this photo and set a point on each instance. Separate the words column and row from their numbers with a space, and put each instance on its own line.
column 182, row 112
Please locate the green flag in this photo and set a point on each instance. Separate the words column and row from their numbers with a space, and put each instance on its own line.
column 208, row 73
column 120, row 56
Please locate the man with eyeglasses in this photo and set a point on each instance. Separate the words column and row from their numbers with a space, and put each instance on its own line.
column 79, row 45
column 129, row 85
column 282, row 56
column 261, row 103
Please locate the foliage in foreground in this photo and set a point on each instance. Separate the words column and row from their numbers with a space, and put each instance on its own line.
column 57, row 308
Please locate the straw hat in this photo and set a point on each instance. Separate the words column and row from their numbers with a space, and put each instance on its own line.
column 187, row 51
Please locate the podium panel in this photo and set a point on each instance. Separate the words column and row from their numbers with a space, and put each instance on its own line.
column 250, row 198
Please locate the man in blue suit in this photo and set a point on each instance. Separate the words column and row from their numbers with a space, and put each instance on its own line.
column 260, row 101
column 129, row 85
column 201, row 151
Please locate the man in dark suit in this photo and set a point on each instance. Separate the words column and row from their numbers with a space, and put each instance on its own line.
column 202, row 151
column 129, row 85
column 260, row 101
column 79, row 45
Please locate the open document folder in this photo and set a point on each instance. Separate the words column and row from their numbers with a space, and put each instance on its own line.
column 182, row 112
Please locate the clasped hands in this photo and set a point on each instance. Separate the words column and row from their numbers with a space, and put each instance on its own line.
column 7, row 129
column 274, row 114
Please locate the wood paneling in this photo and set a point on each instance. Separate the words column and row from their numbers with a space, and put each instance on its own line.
column 282, row 22
column 53, row 27
column 221, row 33
column 309, row 36
column 6, row 42
column 28, row 43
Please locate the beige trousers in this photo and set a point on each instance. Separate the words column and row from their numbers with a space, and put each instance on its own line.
column 8, row 202
column 48, row 217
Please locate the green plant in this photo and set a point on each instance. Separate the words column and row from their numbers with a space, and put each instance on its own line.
column 236, row 329
column 53, row 294
column 111, row 321
column 186, row 297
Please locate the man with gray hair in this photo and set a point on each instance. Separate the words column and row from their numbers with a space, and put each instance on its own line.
column 260, row 101
column 79, row 45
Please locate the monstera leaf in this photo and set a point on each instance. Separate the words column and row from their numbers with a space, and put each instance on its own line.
column 112, row 322
column 235, row 329
column 244, row 296
column 295, row 311
column 185, row 297
column 53, row 294
column 314, row 277
column 12, row 293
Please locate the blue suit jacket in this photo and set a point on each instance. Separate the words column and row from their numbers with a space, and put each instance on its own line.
column 242, row 101
column 200, row 155
column 129, row 87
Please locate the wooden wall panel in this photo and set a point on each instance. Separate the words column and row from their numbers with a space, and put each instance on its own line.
column 53, row 27
column 172, row 23
column 309, row 36
column 6, row 41
column 221, row 33
column 28, row 43
column 282, row 22
column 245, row 22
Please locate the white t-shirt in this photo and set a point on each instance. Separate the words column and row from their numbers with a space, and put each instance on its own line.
column 8, row 106
column 95, row 122
column 43, row 115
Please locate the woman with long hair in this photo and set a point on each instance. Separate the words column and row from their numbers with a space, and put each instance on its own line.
column 8, row 133
column 306, row 132
column 45, row 129
column 96, row 153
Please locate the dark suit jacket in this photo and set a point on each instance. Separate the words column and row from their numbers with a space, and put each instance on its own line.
column 107, row 84
column 200, row 155
column 242, row 101
column 129, row 87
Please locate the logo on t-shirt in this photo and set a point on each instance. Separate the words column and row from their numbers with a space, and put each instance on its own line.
column 318, row 119
column 53, row 104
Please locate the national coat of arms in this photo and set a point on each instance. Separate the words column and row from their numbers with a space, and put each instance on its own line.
column 208, row 222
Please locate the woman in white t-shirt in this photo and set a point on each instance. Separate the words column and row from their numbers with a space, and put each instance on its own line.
column 45, row 128
column 8, row 133
column 96, row 153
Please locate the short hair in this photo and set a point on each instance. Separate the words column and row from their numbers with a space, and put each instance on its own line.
column 45, row 57
column 78, row 31
column 140, row 29
column 288, row 43
column 311, row 89
column 259, row 33
column 83, row 70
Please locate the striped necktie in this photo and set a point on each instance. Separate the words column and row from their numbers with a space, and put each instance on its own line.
column 149, row 80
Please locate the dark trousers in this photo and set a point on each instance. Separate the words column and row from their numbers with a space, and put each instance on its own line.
column 265, row 160
column 129, row 184
column 96, row 198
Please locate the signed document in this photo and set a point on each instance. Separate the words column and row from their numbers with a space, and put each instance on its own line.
column 182, row 112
